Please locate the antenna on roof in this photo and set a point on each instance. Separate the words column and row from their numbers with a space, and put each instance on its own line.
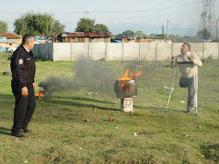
column 208, row 19
column 86, row 13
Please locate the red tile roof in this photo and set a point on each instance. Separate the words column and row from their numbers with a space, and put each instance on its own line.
column 10, row 35
column 86, row 35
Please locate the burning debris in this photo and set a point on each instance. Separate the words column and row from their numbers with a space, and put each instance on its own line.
column 126, row 88
column 40, row 93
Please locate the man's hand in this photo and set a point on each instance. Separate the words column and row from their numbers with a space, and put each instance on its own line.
column 34, row 85
column 189, row 56
column 24, row 91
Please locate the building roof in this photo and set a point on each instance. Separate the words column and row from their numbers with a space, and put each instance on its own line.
column 86, row 35
column 10, row 35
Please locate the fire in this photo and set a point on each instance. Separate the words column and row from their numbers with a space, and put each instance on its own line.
column 128, row 76
column 40, row 93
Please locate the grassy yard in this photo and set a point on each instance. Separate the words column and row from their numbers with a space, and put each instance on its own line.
column 71, row 126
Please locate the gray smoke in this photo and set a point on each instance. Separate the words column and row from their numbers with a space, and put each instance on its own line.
column 92, row 76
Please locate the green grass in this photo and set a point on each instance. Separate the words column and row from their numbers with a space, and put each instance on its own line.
column 61, row 134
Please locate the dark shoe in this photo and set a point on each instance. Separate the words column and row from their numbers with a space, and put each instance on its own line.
column 189, row 109
column 26, row 130
column 18, row 134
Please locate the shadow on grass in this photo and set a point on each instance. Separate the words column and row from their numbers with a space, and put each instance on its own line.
column 152, row 108
column 5, row 131
column 71, row 101
column 74, row 101
column 84, row 99
column 92, row 103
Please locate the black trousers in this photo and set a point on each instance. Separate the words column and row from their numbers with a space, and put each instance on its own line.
column 24, row 106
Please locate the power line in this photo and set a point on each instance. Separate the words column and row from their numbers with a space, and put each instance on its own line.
column 175, row 7
column 208, row 19
column 217, row 32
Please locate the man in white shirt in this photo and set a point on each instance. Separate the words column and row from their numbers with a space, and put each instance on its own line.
column 187, row 63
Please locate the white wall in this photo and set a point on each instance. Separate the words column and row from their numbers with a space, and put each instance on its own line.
column 120, row 51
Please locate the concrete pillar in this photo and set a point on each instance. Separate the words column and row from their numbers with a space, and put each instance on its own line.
column 171, row 50
column 88, row 50
column 203, row 50
column 71, row 53
column 139, row 51
column 155, row 56
column 106, row 47
column 123, row 51
column 218, row 50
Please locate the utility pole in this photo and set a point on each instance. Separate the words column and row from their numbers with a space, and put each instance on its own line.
column 208, row 19
column 217, row 30
column 168, row 22
column 163, row 31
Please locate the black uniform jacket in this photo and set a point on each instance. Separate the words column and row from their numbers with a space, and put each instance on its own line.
column 23, row 67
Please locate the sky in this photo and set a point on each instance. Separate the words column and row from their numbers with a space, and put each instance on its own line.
column 119, row 15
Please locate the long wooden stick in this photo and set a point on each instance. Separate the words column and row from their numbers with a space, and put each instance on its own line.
column 196, row 88
column 172, row 87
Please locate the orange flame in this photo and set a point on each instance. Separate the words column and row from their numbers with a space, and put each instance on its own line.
column 128, row 76
column 40, row 93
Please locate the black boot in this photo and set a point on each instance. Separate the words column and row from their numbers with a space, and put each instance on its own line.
column 18, row 134
column 26, row 130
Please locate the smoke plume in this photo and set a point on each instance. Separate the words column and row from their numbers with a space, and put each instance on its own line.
column 92, row 76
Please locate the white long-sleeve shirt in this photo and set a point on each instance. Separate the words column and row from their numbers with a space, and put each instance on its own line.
column 186, row 63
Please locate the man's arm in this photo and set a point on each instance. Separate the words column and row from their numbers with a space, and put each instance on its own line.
column 19, row 66
column 196, row 59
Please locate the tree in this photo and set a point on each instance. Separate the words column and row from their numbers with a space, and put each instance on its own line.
column 38, row 24
column 86, row 25
column 3, row 27
column 101, row 28
column 129, row 33
column 140, row 34
column 89, row 25
column 58, row 27
column 204, row 34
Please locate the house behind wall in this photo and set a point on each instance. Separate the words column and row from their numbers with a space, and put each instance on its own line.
column 9, row 41
column 84, row 37
column 12, row 37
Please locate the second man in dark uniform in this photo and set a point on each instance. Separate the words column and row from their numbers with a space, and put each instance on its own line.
column 23, row 74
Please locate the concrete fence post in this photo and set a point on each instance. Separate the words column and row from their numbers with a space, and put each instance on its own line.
column 155, row 56
column 122, row 51
column 88, row 50
column 203, row 50
column 139, row 51
column 106, row 47
column 218, row 50
column 171, row 50
column 71, row 52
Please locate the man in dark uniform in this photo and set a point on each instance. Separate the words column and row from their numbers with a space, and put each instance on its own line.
column 23, row 74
